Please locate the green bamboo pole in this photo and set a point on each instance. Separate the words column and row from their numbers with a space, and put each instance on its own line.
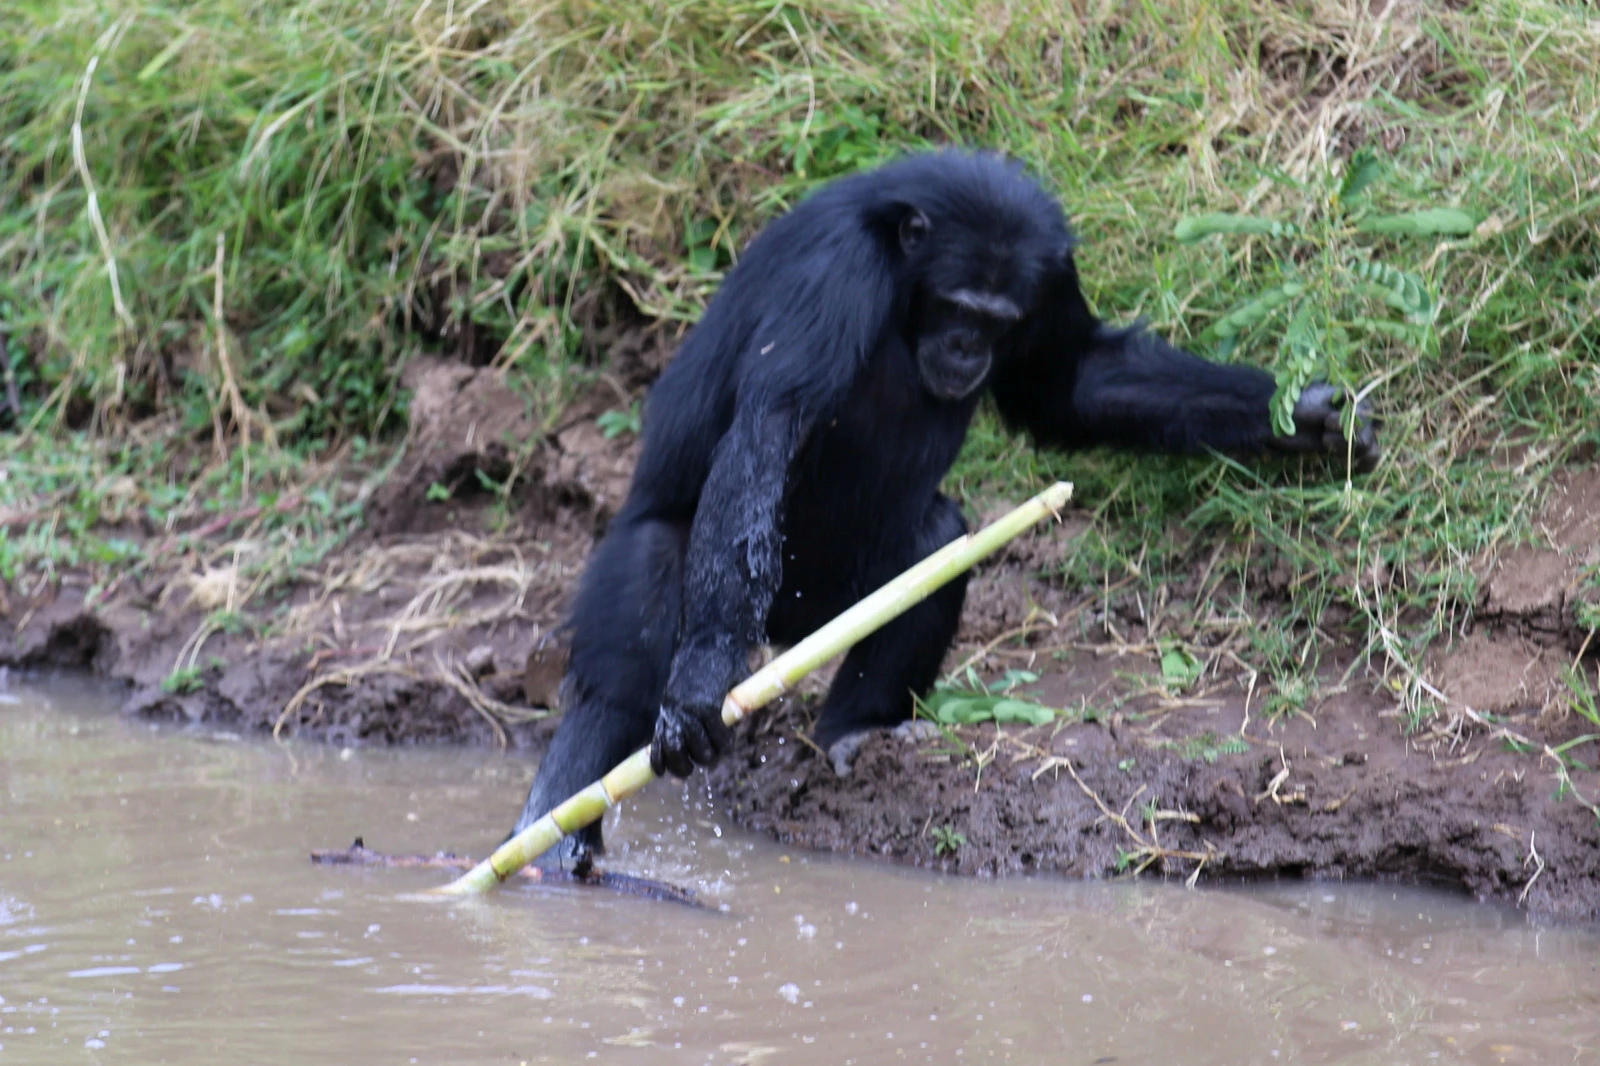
column 765, row 685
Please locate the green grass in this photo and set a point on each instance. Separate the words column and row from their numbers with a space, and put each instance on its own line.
column 121, row 509
column 299, row 196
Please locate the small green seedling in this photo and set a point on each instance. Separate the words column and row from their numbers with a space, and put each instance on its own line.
column 616, row 422
column 1179, row 668
column 184, row 680
column 1208, row 747
column 946, row 841
column 976, row 701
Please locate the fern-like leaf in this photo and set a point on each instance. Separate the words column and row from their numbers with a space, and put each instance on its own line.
column 1192, row 228
column 1429, row 223
column 1255, row 311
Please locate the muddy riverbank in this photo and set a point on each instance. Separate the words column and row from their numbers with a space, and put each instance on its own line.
column 439, row 623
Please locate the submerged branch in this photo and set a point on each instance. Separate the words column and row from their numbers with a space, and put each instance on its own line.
column 358, row 854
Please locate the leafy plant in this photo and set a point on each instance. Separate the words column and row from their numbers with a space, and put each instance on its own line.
column 1586, row 600
column 184, row 680
column 231, row 622
column 1333, row 292
column 614, row 423
column 1207, row 746
column 976, row 701
column 946, row 841
column 1290, row 693
column 1179, row 667
column 852, row 139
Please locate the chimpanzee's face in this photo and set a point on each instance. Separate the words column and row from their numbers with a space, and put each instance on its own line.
column 972, row 289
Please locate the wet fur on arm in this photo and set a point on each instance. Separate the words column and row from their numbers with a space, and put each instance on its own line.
column 820, row 292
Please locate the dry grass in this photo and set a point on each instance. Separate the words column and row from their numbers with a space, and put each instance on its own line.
column 456, row 591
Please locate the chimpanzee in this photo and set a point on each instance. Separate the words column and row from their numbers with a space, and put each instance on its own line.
column 793, row 451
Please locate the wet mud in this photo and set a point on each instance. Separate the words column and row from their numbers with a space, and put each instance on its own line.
column 440, row 623
column 1199, row 793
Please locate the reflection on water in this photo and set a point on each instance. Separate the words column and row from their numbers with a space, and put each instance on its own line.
column 156, row 905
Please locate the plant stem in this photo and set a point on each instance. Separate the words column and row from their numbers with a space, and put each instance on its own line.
column 766, row 684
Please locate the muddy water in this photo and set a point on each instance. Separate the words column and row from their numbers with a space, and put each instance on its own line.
column 156, row 906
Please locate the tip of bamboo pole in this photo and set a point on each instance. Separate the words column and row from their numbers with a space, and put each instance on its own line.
column 1060, row 493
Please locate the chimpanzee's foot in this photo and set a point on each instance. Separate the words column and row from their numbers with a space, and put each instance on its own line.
column 842, row 752
column 582, row 862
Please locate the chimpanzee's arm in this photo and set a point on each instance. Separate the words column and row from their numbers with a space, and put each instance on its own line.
column 821, row 314
column 732, row 572
column 1072, row 381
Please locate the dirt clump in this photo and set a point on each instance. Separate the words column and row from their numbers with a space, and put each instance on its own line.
column 471, row 432
column 296, row 676
column 1544, row 586
column 1500, row 672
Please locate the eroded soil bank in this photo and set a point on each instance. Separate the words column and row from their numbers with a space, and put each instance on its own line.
column 440, row 622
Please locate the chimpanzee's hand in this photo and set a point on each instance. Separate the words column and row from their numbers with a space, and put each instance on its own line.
column 1319, row 427
column 689, row 729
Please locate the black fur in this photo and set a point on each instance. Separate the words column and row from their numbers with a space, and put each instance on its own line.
column 793, row 450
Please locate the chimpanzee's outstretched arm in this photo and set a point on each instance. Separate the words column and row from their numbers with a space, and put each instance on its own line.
column 1072, row 381
column 1134, row 390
